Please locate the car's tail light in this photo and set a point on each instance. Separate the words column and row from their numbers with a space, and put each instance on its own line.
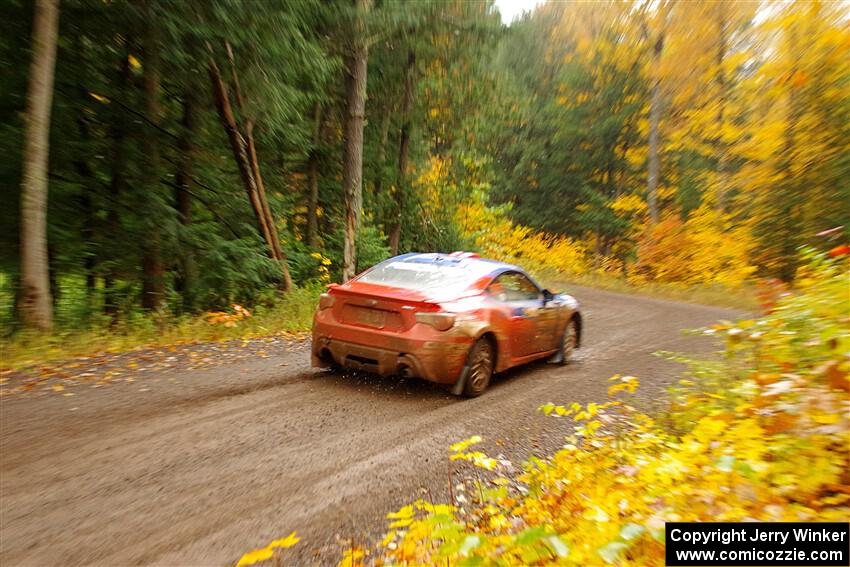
column 440, row 321
column 326, row 301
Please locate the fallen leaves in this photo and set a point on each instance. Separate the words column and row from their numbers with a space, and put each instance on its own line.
column 128, row 367
column 268, row 551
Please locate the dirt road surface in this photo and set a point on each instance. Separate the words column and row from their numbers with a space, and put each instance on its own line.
column 196, row 467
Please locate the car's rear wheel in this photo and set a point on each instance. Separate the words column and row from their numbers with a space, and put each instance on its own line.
column 481, row 362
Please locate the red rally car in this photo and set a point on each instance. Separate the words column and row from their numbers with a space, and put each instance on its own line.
column 454, row 319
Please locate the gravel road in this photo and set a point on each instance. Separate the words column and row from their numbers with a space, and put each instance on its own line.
column 184, row 466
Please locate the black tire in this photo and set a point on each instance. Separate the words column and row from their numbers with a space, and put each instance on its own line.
column 481, row 362
column 569, row 340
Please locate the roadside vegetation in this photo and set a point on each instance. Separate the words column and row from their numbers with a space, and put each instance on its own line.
column 289, row 318
column 198, row 170
column 744, row 297
column 760, row 433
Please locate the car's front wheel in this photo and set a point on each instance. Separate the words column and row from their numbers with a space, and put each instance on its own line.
column 481, row 362
column 569, row 340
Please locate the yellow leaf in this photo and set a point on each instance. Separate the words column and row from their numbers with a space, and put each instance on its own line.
column 388, row 538
column 266, row 552
column 288, row 541
column 826, row 418
column 461, row 445
column 134, row 62
column 405, row 512
column 403, row 523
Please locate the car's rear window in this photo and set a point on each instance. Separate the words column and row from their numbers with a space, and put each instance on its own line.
column 434, row 278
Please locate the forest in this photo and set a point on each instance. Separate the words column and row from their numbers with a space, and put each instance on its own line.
column 181, row 179
column 165, row 158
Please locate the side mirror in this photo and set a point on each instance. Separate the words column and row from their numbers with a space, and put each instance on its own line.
column 547, row 296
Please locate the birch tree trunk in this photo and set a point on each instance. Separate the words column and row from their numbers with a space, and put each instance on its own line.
column 352, row 175
column 34, row 301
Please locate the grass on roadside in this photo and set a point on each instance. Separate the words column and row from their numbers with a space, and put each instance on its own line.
column 743, row 297
column 292, row 314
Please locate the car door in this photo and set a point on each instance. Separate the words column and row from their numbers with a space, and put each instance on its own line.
column 549, row 319
column 544, row 315
column 521, row 301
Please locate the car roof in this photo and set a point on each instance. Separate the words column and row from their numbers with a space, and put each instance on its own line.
column 459, row 259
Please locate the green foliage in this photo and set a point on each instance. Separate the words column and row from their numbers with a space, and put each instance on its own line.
column 108, row 201
column 526, row 142
column 371, row 249
column 567, row 133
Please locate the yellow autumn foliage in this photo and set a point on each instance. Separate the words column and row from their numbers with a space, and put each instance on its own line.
column 267, row 552
column 708, row 248
column 499, row 238
column 488, row 229
column 761, row 437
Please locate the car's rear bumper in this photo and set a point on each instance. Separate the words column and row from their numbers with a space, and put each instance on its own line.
column 408, row 354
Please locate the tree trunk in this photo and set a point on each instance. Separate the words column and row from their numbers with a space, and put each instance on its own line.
column 254, row 162
column 153, row 269
column 723, row 98
column 87, row 231
column 264, row 205
column 245, row 155
column 654, row 119
column 313, row 181
column 52, row 279
column 239, row 147
column 35, row 303
column 381, row 158
column 403, row 151
column 88, row 181
column 117, row 185
column 186, row 145
column 186, row 273
column 352, row 175
column 786, row 226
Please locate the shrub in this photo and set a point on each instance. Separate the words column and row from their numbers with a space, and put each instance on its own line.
column 492, row 233
column 706, row 249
